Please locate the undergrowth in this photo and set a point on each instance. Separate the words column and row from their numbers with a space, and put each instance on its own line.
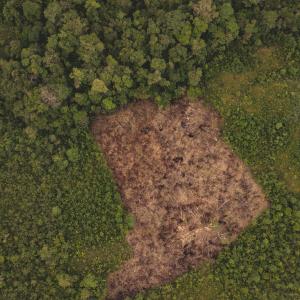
column 62, row 224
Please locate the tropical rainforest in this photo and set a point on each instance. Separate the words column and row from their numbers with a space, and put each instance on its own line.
column 62, row 62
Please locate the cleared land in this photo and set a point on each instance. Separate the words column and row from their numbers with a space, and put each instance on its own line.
column 189, row 193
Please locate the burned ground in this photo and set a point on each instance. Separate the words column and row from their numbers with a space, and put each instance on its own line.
column 189, row 193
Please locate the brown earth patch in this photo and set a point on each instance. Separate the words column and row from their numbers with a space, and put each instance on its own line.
column 189, row 193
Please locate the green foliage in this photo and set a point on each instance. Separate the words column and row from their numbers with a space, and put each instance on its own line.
column 72, row 154
column 98, row 87
column 81, row 118
column 90, row 48
column 31, row 10
column 194, row 77
column 78, row 76
column 158, row 64
column 108, row 104
column 89, row 281
column 195, row 284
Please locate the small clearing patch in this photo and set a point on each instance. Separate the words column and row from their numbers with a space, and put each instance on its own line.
column 189, row 193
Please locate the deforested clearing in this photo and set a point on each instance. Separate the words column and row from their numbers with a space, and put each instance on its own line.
column 189, row 193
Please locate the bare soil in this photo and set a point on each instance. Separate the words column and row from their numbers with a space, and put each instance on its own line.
column 189, row 193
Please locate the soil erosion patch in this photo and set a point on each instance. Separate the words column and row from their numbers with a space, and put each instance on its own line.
column 189, row 193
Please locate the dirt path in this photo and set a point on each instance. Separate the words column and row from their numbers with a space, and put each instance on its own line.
column 188, row 192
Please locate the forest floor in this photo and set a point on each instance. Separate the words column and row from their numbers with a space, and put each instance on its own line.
column 188, row 192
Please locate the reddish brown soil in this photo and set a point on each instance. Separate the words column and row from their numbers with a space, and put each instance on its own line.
column 188, row 192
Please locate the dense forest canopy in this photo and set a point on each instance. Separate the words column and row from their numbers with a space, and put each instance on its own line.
column 62, row 225
column 62, row 61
